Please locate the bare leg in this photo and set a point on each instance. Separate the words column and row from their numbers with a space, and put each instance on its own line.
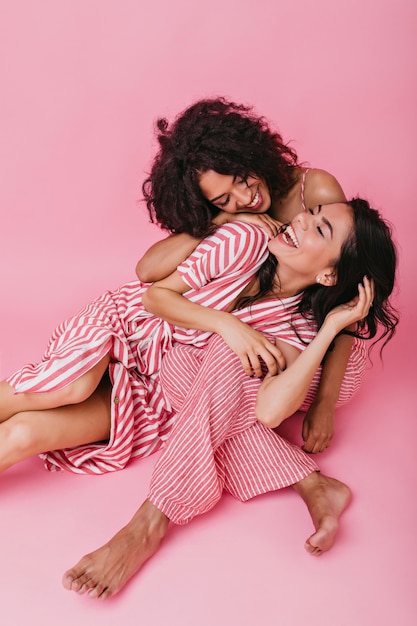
column 74, row 393
column 326, row 499
column 32, row 432
column 104, row 572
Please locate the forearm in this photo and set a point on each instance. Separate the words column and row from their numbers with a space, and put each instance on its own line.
column 333, row 371
column 164, row 257
column 165, row 299
column 179, row 311
column 280, row 396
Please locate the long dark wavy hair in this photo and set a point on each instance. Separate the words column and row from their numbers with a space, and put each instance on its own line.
column 212, row 134
column 369, row 251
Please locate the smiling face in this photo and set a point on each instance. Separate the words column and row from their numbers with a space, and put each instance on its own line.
column 234, row 194
column 312, row 243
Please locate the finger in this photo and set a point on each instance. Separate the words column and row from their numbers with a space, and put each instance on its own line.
column 313, row 446
column 270, row 227
column 270, row 361
column 271, row 351
column 370, row 290
column 367, row 288
column 308, row 445
column 270, row 231
column 275, row 226
column 279, row 357
column 255, row 364
column 273, row 358
column 246, row 364
column 368, row 295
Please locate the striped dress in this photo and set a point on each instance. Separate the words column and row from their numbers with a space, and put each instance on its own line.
column 116, row 323
column 216, row 443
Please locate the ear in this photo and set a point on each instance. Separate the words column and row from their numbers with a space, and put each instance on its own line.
column 327, row 278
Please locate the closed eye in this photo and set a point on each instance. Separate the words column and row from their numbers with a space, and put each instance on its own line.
column 325, row 221
column 224, row 203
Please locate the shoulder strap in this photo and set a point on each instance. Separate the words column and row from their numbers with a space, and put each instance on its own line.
column 303, row 185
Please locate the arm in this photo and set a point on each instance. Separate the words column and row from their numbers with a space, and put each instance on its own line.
column 280, row 396
column 165, row 300
column 318, row 425
column 164, row 256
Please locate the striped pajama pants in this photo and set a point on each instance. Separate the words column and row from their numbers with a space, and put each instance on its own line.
column 216, row 443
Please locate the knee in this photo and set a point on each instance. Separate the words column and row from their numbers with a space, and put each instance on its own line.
column 19, row 432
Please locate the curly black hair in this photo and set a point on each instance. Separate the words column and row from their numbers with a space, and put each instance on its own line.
column 212, row 134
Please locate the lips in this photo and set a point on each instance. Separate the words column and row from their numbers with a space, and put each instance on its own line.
column 256, row 202
column 289, row 237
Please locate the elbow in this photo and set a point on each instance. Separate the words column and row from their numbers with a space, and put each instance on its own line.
column 269, row 415
column 144, row 271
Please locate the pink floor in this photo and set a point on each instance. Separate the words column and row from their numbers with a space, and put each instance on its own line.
column 81, row 87
column 241, row 564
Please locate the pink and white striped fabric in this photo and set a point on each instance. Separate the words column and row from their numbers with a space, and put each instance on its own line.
column 116, row 323
column 216, row 443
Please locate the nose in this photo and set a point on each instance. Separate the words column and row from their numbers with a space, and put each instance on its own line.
column 304, row 219
column 242, row 197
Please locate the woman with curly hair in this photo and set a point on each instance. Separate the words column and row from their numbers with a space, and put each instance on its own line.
column 220, row 161
column 216, row 141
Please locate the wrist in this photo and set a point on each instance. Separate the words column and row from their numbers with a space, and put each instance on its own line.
column 222, row 322
column 326, row 401
column 330, row 328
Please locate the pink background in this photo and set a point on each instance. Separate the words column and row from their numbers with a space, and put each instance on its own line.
column 82, row 82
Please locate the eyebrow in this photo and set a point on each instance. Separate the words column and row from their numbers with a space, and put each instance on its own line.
column 326, row 221
column 213, row 200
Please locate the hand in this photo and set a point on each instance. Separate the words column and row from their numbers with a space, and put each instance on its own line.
column 318, row 427
column 357, row 309
column 265, row 221
column 251, row 347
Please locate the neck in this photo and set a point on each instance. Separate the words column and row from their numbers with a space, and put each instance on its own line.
column 285, row 209
column 288, row 284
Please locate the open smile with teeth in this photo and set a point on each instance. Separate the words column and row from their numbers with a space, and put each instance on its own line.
column 254, row 201
column 289, row 237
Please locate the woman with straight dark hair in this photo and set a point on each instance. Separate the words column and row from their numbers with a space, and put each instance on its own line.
column 218, row 440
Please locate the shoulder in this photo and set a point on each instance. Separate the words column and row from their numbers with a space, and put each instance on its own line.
column 322, row 188
column 240, row 231
column 235, row 243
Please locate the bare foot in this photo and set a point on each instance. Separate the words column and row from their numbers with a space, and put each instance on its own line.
column 326, row 499
column 103, row 573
